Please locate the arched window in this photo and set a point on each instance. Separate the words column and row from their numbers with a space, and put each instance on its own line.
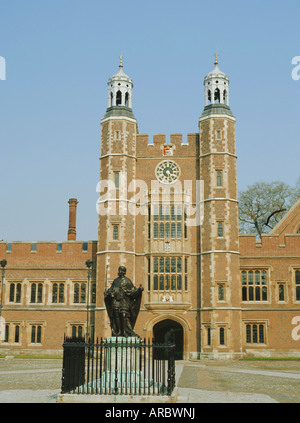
column 209, row 95
column 33, row 331
column 40, row 293
column 119, row 98
column 61, row 293
column 208, row 336
column 82, row 293
column 217, row 95
column 54, row 293
column 261, row 334
column 17, row 333
column 12, row 293
column 225, row 96
column 76, row 293
column 126, row 99
column 248, row 334
column 222, row 336
column 111, row 99
column 39, row 335
column 6, row 333
column 18, row 294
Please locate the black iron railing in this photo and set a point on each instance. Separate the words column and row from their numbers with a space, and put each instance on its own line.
column 122, row 366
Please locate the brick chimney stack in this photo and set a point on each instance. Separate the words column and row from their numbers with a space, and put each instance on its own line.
column 72, row 219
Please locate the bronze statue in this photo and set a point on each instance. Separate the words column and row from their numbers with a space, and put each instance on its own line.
column 122, row 301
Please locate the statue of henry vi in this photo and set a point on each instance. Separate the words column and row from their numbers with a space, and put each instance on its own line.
column 122, row 301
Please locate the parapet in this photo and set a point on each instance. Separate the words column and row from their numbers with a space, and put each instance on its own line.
column 47, row 253
column 271, row 245
column 161, row 145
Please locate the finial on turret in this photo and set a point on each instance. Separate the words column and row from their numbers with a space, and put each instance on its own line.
column 121, row 61
column 216, row 58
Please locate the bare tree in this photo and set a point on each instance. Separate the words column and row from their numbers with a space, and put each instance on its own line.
column 262, row 205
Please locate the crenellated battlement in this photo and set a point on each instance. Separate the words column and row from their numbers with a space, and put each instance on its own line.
column 270, row 245
column 173, row 145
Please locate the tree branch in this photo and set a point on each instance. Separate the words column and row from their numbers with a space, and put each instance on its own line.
column 272, row 214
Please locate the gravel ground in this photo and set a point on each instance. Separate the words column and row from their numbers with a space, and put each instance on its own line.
column 38, row 381
column 277, row 380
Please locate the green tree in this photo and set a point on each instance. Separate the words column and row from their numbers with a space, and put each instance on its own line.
column 262, row 205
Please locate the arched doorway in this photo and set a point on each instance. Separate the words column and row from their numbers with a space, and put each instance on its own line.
column 167, row 331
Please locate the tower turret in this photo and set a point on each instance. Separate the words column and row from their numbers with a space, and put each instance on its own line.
column 220, row 289
column 116, row 230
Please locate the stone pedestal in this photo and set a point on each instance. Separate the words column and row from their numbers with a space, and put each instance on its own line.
column 123, row 370
column 122, row 367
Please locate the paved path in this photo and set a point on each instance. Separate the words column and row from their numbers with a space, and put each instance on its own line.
column 38, row 381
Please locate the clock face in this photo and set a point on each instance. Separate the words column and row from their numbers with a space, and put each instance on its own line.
column 167, row 172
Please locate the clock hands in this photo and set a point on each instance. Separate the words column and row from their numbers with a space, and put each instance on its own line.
column 167, row 172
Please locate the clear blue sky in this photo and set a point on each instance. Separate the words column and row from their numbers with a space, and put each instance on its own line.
column 60, row 55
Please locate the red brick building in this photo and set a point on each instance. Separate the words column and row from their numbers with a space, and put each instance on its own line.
column 168, row 211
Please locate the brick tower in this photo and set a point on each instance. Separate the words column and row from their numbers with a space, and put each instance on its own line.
column 116, row 230
column 220, row 288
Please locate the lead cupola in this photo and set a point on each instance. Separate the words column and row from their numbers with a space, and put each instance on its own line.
column 120, row 94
